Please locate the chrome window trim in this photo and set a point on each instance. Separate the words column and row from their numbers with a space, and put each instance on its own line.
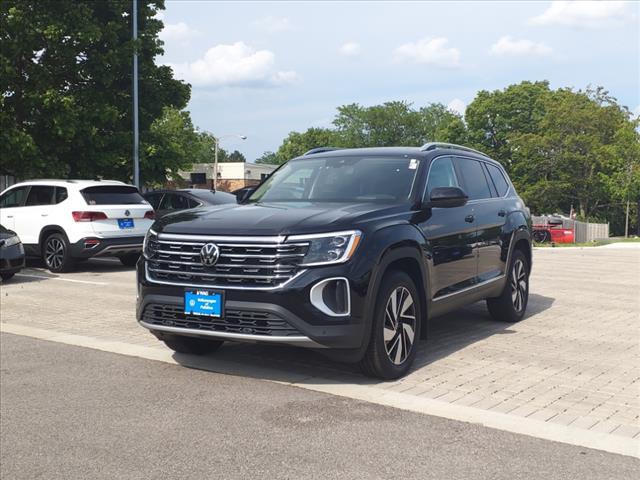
column 433, row 160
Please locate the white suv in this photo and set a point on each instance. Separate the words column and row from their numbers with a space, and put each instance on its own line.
column 64, row 221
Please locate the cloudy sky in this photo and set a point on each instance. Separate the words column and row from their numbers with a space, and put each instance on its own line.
column 263, row 69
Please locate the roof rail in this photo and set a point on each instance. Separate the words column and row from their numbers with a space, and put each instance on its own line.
column 433, row 145
column 320, row 150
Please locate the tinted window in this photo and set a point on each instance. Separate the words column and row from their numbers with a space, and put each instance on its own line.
column 40, row 195
column 112, row 195
column 498, row 179
column 153, row 199
column 212, row 198
column 14, row 197
column 340, row 179
column 61, row 194
column 171, row 201
column 473, row 178
column 441, row 174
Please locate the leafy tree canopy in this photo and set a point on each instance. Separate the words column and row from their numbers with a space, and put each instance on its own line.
column 66, row 82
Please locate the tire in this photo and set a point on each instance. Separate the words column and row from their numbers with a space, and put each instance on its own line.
column 511, row 305
column 394, row 328
column 56, row 254
column 6, row 276
column 191, row 345
column 130, row 259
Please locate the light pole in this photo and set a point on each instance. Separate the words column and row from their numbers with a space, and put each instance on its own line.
column 216, row 141
column 136, row 159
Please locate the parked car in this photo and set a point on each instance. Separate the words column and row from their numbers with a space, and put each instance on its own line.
column 347, row 251
column 11, row 253
column 168, row 201
column 64, row 221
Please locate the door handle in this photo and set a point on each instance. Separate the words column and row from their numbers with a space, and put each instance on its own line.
column 9, row 216
column 44, row 214
column 502, row 213
column 469, row 218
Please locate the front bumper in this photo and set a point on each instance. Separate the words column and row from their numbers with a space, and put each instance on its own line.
column 12, row 258
column 284, row 315
column 103, row 247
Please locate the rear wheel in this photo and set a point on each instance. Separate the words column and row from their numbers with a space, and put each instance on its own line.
column 191, row 345
column 395, row 329
column 130, row 259
column 56, row 255
column 511, row 305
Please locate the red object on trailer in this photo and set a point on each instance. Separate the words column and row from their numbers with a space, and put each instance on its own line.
column 553, row 231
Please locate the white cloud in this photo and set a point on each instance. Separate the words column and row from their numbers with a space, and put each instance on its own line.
column 591, row 14
column 457, row 105
column 178, row 33
column 508, row 46
column 429, row 51
column 234, row 65
column 273, row 24
column 351, row 49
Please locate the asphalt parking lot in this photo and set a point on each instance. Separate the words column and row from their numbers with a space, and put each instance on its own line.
column 569, row 372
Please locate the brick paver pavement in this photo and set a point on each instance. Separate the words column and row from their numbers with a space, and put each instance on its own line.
column 574, row 360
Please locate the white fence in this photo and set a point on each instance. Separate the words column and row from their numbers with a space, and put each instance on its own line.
column 582, row 231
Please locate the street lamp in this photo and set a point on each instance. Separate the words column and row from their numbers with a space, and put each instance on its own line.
column 216, row 141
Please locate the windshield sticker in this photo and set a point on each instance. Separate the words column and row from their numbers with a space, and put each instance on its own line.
column 413, row 164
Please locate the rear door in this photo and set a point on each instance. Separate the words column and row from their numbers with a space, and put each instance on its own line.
column 11, row 203
column 124, row 208
column 489, row 217
column 35, row 214
column 451, row 233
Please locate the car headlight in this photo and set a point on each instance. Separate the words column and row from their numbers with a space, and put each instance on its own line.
column 145, row 243
column 8, row 242
column 328, row 248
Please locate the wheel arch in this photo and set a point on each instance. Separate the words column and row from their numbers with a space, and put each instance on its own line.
column 48, row 230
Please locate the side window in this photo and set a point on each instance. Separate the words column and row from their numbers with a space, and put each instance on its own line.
column 40, row 195
column 61, row 194
column 473, row 178
column 154, row 200
column 174, row 202
column 191, row 203
column 498, row 179
column 14, row 197
column 441, row 174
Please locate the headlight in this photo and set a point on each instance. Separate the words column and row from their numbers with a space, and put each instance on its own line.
column 145, row 243
column 8, row 242
column 328, row 248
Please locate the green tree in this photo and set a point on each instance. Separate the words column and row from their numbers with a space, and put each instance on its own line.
column 65, row 78
column 297, row 143
column 269, row 157
column 235, row 156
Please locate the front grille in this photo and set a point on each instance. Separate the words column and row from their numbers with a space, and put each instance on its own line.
column 234, row 321
column 249, row 264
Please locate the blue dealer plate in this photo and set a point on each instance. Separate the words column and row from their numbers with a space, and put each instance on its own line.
column 125, row 223
column 203, row 302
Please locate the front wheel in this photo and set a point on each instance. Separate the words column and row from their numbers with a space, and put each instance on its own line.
column 191, row 345
column 511, row 305
column 56, row 255
column 395, row 328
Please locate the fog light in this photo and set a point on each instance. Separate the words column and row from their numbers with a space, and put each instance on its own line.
column 332, row 297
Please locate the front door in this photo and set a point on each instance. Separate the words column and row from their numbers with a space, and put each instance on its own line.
column 11, row 203
column 35, row 213
column 451, row 234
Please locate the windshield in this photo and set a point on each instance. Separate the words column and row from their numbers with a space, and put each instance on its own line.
column 340, row 179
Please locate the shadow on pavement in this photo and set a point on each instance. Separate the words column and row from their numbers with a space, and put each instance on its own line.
column 447, row 334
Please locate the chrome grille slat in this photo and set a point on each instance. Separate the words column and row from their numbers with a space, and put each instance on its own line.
column 250, row 264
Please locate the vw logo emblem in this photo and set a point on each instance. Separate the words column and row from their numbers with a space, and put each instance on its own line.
column 209, row 254
column 127, row 213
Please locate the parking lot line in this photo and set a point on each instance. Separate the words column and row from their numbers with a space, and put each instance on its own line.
column 525, row 426
column 43, row 277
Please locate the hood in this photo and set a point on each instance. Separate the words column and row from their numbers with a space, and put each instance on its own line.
column 277, row 218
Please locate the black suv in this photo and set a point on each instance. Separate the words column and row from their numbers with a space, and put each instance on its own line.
column 350, row 251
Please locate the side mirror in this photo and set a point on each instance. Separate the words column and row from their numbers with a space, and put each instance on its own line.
column 447, row 197
column 244, row 194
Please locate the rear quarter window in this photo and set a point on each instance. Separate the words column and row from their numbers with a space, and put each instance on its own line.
column 112, row 195
column 498, row 179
